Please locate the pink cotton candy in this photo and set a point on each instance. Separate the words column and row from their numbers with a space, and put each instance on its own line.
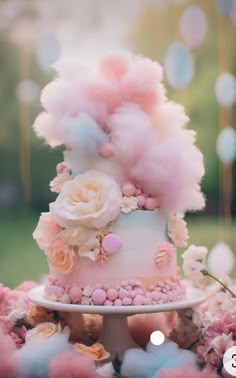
column 142, row 84
column 7, row 363
column 130, row 129
column 71, row 365
column 115, row 65
column 45, row 127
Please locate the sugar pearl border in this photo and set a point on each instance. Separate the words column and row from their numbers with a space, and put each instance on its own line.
column 128, row 293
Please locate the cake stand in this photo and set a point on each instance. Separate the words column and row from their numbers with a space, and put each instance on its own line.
column 115, row 335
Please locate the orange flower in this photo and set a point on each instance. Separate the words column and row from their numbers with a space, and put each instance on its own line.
column 96, row 351
column 45, row 331
column 37, row 314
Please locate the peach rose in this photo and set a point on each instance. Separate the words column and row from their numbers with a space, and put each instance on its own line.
column 37, row 314
column 90, row 200
column 96, row 351
column 57, row 183
column 45, row 330
column 178, row 231
column 46, row 231
column 61, row 256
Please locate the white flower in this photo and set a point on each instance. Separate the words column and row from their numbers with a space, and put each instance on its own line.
column 194, row 263
column 128, row 204
column 106, row 370
column 88, row 290
column 85, row 300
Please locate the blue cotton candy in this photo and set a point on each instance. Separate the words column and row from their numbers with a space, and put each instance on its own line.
column 33, row 358
column 146, row 364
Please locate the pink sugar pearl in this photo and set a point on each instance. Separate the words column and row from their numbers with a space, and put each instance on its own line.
column 118, row 302
column 131, row 293
column 141, row 201
column 151, row 204
column 75, row 293
column 147, row 301
column 112, row 294
column 65, row 298
column 108, row 303
column 123, row 293
column 138, row 300
column 99, row 296
column 107, row 150
column 126, row 301
column 137, row 192
column 128, row 189
column 111, row 244
column 61, row 167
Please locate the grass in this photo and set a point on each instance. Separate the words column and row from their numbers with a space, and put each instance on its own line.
column 21, row 259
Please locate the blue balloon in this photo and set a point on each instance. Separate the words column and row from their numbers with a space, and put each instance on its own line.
column 179, row 66
column 224, row 6
column 226, row 145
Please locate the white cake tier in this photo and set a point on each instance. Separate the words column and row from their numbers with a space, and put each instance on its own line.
column 141, row 233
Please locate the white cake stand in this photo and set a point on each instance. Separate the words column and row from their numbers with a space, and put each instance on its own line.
column 115, row 335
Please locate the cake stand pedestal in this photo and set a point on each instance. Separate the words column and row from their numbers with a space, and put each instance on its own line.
column 115, row 335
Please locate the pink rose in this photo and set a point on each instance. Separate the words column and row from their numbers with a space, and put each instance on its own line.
column 91, row 200
column 46, row 231
column 62, row 257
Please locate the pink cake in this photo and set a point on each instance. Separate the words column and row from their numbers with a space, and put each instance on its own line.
column 130, row 172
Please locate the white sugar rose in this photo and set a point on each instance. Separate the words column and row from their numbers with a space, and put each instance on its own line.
column 90, row 200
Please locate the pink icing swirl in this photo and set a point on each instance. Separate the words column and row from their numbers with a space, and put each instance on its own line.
column 164, row 254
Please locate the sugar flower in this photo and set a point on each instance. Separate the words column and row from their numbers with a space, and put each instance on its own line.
column 164, row 254
column 91, row 200
column 46, row 330
column 46, row 231
column 57, row 183
column 62, row 257
column 37, row 314
column 96, row 351
column 194, row 263
column 177, row 231
column 128, row 204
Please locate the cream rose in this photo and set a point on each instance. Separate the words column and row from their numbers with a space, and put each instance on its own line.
column 62, row 257
column 46, row 330
column 91, row 200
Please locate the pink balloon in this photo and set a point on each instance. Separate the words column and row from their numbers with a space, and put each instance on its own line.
column 193, row 26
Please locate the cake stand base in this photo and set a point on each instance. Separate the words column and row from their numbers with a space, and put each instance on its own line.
column 115, row 335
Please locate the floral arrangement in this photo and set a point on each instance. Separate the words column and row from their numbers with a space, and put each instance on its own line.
column 38, row 342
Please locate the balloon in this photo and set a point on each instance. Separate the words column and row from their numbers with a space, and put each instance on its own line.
column 48, row 51
column 193, row 26
column 224, row 6
column 226, row 145
column 27, row 90
column 225, row 89
column 178, row 66
column 221, row 260
column 233, row 14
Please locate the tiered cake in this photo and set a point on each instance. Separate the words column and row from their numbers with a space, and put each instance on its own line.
column 130, row 172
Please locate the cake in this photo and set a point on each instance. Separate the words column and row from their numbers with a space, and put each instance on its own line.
column 130, row 172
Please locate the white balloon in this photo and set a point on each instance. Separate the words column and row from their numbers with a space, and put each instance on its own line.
column 225, row 89
column 226, row 145
column 27, row 90
column 193, row 26
column 221, row 260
